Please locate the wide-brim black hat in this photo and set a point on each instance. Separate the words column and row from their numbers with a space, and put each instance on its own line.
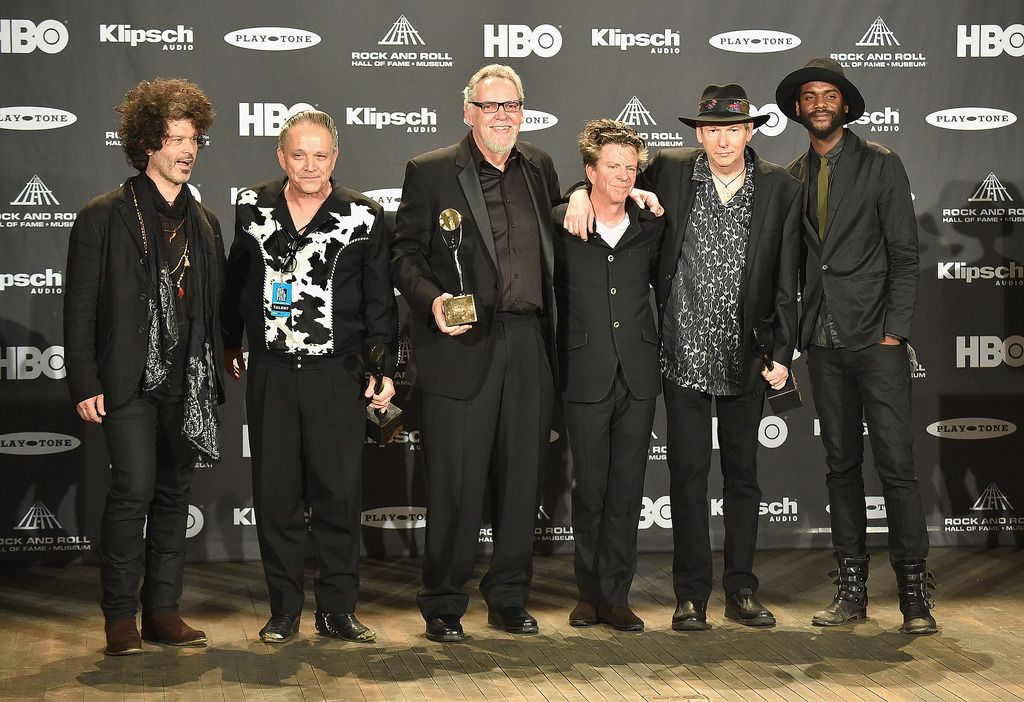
column 724, row 104
column 823, row 69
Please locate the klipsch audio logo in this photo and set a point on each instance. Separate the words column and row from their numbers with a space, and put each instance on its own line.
column 784, row 510
column 48, row 282
column 664, row 42
column 29, row 118
column 755, row 41
column 1010, row 273
column 21, row 36
column 878, row 36
column 971, row 428
column 987, row 205
column 971, row 118
column 177, row 38
column 636, row 115
column 421, row 120
column 272, row 38
column 989, row 40
column 885, row 120
column 520, row 40
column 405, row 38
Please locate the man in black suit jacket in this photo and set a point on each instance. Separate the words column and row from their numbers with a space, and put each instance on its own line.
column 141, row 332
column 476, row 218
column 859, row 287
column 727, row 267
column 608, row 370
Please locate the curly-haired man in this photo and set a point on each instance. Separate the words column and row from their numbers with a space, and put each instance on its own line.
column 141, row 332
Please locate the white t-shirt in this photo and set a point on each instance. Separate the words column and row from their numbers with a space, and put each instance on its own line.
column 613, row 234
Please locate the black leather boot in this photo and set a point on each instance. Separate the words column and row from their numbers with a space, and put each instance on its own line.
column 915, row 584
column 851, row 600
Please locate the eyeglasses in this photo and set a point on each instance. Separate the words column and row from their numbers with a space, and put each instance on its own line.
column 489, row 107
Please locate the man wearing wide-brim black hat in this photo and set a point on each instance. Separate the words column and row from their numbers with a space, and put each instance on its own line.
column 727, row 270
column 860, row 284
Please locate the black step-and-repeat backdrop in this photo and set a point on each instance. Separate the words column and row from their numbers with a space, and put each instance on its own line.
column 942, row 82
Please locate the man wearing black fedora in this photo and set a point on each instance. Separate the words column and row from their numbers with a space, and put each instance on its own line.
column 859, row 287
column 727, row 266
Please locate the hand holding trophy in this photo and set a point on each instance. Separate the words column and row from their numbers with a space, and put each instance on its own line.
column 460, row 309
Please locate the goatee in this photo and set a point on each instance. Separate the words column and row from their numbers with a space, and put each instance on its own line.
column 821, row 132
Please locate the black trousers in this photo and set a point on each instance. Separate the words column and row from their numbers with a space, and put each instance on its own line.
column 151, row 466
column 871, row 385
column 609, row 441
column 689, row 463
column 499, row 436
column 307, row 419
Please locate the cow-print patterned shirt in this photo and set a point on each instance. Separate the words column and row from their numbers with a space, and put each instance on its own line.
column 702, row 334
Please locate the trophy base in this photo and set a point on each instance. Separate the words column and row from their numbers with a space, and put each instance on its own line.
column 459, row 310
column 787, row 397
column 381, row 428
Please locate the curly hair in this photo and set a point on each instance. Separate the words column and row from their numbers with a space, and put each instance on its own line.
column 148, row 107
column 599, row 132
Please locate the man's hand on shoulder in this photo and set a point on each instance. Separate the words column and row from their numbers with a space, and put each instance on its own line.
column 645, row 199
column 579, row 215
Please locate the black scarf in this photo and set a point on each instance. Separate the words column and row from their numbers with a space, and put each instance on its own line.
column 201, row 426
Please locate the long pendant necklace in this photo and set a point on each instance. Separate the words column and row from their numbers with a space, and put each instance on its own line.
column 183, row 262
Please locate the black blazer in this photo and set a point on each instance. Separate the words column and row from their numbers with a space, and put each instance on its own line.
column 604, row 309
column 770, row 274
column 867, row 266
column 423, row 266
column 106, row 299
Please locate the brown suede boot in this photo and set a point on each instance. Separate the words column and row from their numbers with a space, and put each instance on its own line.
column 168, row 628
column 122, row 637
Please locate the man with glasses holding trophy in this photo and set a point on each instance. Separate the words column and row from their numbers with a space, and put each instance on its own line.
column 308, row 278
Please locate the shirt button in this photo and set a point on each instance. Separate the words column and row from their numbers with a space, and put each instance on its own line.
column 141, row 330
column 825, row 267
column 611, row 257
column 615, row 325
column 612, row 291
column 142, row 297
column 516, row 276
column 515, row 250
column 298, row 365
column 515, row 302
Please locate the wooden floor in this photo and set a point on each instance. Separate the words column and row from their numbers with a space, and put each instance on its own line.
column 52, row 641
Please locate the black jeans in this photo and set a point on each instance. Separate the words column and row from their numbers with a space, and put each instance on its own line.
column 871, row 385
column 151, row 466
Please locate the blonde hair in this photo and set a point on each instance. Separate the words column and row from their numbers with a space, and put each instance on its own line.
column 598, row 132
column 494, row 70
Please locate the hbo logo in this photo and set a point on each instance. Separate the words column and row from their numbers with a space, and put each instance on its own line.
column 25, row 36
column 28, row 363
column 989, row 351
column 518, row 40
column 988, row 40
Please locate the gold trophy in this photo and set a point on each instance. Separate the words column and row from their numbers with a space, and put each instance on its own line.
column 460, row 309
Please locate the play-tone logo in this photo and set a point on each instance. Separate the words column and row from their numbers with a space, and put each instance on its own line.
column 36, row 443
column 874, row 507
column 21, row 36
column 989, row 40
column 535, row 120
column 971, row 428
column 272, row 38
column 755, row 41
column 388, row 198
column 971, row 118
column 520, row 40
column 404, row 517
column 29, row 118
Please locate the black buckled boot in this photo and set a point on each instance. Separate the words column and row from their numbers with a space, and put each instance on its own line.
column 851, row 600
column 915, row 584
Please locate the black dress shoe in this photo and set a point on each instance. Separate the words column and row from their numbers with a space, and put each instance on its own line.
column 620, row 617
column 744, row 607
column 280, row 627
column 447, row 629
column 343, row 625
column 513, row 620
column 691, row 615
column 583, row 614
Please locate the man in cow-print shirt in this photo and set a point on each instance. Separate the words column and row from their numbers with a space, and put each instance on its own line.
column 308, row 279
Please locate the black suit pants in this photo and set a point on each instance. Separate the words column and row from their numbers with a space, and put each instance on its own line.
column 872, row 385
column 689, row 463
column 151, row 466
column 307, row 420
column 498, row 436
column 609, row 441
